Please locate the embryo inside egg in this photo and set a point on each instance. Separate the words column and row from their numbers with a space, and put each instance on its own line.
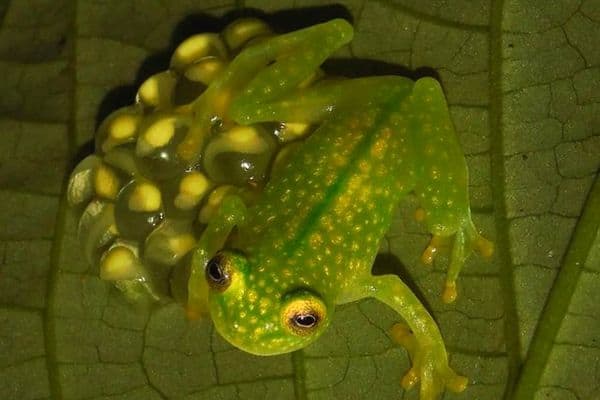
column 144, row 204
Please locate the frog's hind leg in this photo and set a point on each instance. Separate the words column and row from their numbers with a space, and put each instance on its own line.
column 313, row 104
column 276, row 91
column 262, row 72
column 276, row 67
column 442, row 181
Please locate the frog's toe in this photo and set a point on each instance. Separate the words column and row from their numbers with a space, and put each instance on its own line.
column 409, row 379
column 432, row 249
column 429, row 366
column 456, row 383
column 474, row 241
column 466, row 240
column 449, row 293
column 484, row 246
column 402, row 335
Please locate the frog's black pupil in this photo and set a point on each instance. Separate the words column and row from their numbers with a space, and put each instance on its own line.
column 214, row 270
column 305, row 320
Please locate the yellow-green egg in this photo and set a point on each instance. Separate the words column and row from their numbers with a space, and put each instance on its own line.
column 156, row 147
column 289, row 131
column 204, row 70
column 123, row 160
column 239, row 155
column 169, row 242
column 192, row 189
column 106, row 182
column 157, row 91
column 138, row 209
column 241, row 31
column 120, row 262
column 97, row 229
column 197, row 47
column 119, row 128
column 214, row 200
column 81, row 182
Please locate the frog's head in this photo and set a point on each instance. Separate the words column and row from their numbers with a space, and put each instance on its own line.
column 256, row 314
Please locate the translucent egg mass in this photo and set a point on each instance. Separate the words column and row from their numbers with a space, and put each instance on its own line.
column 160, row 171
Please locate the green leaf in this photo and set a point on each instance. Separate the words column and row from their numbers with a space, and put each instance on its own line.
column 522, row 79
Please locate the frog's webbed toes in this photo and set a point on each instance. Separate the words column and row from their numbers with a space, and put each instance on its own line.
column 429, row 366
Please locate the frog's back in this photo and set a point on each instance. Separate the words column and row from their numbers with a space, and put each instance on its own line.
column 333, row 202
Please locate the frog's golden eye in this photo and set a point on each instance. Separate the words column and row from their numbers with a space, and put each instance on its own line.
column 218, row 273
column 303, row 313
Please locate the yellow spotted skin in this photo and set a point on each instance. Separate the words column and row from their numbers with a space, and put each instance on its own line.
column 309, row 242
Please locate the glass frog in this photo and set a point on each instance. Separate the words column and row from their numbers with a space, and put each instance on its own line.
column 253, row 187
column 271, row 274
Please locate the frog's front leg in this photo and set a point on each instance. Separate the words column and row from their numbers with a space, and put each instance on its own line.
column 424, row 344
column 231, row 213
column 442, row 180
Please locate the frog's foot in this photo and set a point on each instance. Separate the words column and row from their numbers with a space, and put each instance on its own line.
column 463, row 242
column 429, row 366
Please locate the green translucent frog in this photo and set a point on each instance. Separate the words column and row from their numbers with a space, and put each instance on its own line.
column 271, row 275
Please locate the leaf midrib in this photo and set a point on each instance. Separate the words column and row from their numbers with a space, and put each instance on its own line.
column 559, row 298
column 498, row 173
